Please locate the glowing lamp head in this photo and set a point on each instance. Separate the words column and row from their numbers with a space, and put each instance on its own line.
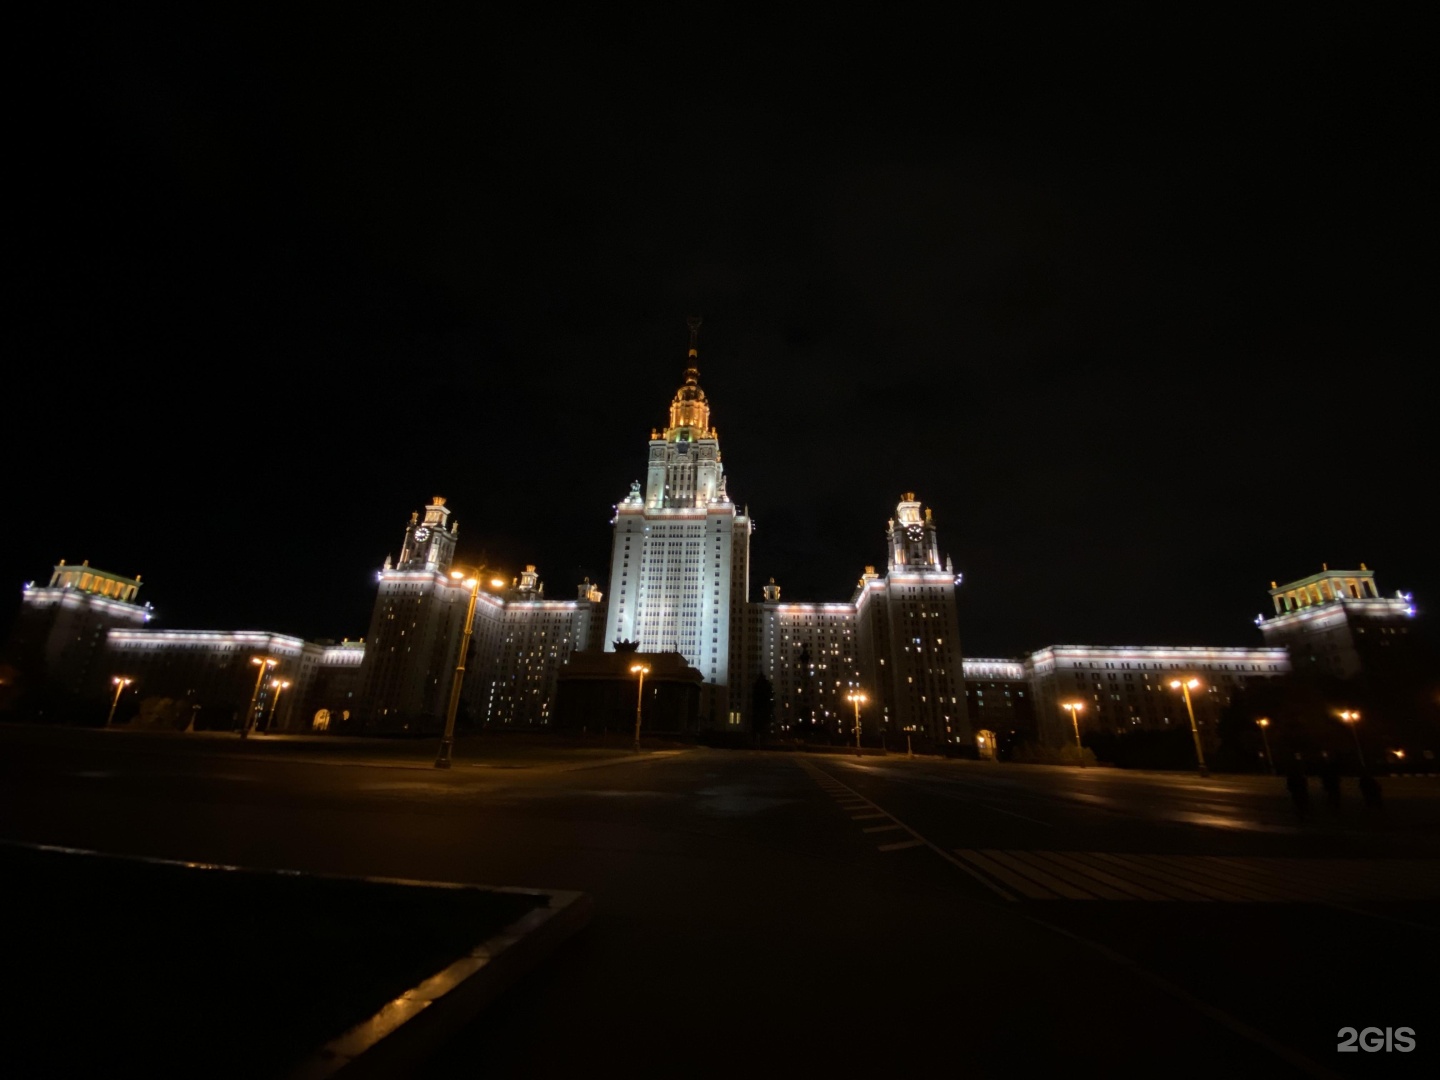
column 1263, row 722
column 640, row 669
column 497, row 583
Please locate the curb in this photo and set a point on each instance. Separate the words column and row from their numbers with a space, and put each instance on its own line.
column 403, row 1032
column 413, row 1026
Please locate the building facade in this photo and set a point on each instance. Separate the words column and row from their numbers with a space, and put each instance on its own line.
column 519, row 639
column 680, row 558
column 896, row 643
column 1336, row 623
column 55, row 657
column 1128, row 688
column 211, row 679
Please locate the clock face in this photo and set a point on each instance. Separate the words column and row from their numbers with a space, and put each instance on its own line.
column 422, row 534
column 915, row 532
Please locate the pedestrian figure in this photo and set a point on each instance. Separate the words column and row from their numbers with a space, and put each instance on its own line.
column 1298, row 784
column 1370, row 790
column 1330, row 780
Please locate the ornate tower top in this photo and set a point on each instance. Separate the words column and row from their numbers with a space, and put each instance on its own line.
column 913, row 543
column 690, row 412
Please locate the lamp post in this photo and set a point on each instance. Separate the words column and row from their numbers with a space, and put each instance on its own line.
column 447, row 740
column 857, row 698
column 1075, row 708
column 1352, row 718
column 120, row 681
column 642, row 670
column 277, row 685
column 1264, row 723
column 1185, row 686
column 265, row 663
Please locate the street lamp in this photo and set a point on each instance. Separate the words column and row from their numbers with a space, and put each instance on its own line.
column 1075, row 708
column 858, row 699
column 1185, row 686
column 642, row 670
column 1263, row 724
column 277, row 685
column 120, row 681
column 1352, row 718
column 447, row 741
column 265, row 663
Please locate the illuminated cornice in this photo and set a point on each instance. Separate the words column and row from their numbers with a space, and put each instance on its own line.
column 1193, row 653
column 1336, row 611
column 1013, row 670
column 75, row 599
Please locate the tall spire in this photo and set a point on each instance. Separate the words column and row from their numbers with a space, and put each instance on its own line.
column 692, row 368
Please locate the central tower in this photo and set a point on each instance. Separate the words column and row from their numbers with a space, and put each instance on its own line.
column 680, row 567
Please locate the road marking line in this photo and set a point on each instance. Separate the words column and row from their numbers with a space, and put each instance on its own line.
column 867, row 817
column 981, row 878
column 881, row 828
column 902, row 845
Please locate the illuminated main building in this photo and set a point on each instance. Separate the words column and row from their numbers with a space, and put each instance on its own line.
column 680, row 561
column 679, row 585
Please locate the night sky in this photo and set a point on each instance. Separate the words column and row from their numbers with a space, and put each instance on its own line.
column 1143, row 311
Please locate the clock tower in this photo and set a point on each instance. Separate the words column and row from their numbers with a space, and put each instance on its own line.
column 429, row 539
column 913, row 545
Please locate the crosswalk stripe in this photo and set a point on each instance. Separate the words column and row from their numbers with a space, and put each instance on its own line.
column 1005, row 876
column 867, row 817
column 1166, row 890
column 1260, row 876
column 1129, row 888
column 1134, row 866
column 1106, row 875
column 1081, row 880
column 881, row 828
column 1198, row 877
column 1257, row 890
column 901, row 845
column 1040, row 877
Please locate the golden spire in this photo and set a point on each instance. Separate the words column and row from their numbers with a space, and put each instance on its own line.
column 690, row 412
column 692, row 369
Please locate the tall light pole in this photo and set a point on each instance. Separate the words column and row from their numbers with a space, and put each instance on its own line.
column 1264, row 723
column 1075, row 708
column 265, row 663
column 277, row 685
column 858, row 699
column 1185, row 686
column 1351, row 718
column 120, row 681
column 447, row 741
column 642, row 670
